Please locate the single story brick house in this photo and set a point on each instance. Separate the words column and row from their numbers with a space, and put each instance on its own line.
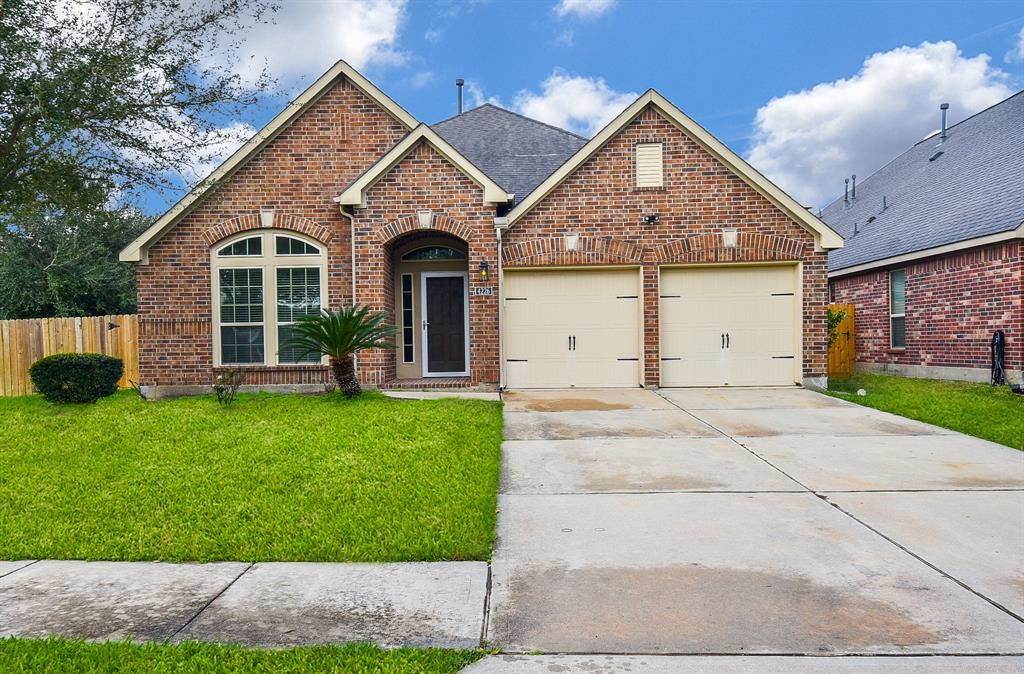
column 508, row 253
column 934, row 254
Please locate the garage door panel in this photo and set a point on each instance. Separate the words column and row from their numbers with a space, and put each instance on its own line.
column 754, row 306
column 544, row 308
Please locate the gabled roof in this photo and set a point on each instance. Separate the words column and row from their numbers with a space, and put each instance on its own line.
column 355, row 193
column 136, row 250
column 516, row 151
column 970, row 194
column 825, row 237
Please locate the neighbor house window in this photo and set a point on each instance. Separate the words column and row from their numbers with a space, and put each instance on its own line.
column 897, row 308
column 260, row 291
column 408, row 354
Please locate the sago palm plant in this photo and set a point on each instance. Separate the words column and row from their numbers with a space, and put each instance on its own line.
column 340, row 335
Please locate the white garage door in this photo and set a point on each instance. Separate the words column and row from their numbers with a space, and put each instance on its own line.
column 732, row 326
column 572, row 328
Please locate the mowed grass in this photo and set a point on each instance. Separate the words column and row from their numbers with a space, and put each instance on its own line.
column 24, row 656
column 989, row 412
column 274, row 477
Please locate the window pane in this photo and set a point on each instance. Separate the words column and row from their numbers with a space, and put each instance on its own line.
column 435, row 253
column 407, row 344
column 241, row 295
column 241, row 345
column 897, row 292
column 298, row 293
column 899, row 338
column 251, row 246
column 284, row 333
column 288, row 245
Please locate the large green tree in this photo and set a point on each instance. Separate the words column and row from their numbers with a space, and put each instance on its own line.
column 101, row 101
column 64, row 263
column 103, row 95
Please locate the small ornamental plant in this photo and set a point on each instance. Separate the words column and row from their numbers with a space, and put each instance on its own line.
column 226, row 384
column 76, row 377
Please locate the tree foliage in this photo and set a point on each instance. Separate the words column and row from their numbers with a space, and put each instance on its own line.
column 64, row 263
column 104, row 95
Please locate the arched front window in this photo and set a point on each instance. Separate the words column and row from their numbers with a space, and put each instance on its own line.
column 429, row 253
column 262, row 283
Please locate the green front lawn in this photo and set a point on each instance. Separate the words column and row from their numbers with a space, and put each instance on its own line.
column 25, row 656
column 989, row 412
column 274, row 477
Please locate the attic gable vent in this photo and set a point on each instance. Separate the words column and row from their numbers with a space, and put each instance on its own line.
column 649, row 165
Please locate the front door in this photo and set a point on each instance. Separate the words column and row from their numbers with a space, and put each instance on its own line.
column 445, row 303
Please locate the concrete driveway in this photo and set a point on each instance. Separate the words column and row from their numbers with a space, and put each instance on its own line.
column 751, row 521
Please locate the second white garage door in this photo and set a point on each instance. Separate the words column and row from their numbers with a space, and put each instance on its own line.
column 732, row 326
column 570, row 328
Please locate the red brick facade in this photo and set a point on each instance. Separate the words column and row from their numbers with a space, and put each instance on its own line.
column 700, row 196
column 300, row 172
column 953, row 305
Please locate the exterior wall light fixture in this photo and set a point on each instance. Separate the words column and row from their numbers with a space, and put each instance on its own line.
column 650, row 220
column 484, row 266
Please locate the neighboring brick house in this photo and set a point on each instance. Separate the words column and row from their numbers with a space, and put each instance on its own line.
column 508, row 253
column 934, row 254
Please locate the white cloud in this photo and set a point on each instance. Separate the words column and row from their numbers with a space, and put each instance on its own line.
column 433, row 35
column 587, row 9
column 808, row 141
column 582, row 104
column 306, row 38
column 475, row 96
column 422, row 79
column 1016, row 55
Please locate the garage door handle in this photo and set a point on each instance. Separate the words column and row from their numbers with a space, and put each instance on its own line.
column 574, row 342
column 727, row 340
column 723, row 339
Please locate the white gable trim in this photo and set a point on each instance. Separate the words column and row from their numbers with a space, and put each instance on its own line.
column 136, row 250
column 825, row 237
column 355, row 194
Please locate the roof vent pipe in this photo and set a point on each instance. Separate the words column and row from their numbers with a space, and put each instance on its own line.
column 853, row 189
column 458, row 85
column 944, row 107
column 846, row 191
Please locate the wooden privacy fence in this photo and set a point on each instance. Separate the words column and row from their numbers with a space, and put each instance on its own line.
column 843, row 353
column 23, row 342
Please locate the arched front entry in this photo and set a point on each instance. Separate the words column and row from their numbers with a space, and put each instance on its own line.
column 431, row 282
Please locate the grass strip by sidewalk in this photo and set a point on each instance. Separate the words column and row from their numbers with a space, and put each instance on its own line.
column 271, row 478
column 989, row 412
column 25, row 656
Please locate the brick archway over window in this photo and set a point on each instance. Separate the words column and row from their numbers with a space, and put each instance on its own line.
column 244, row 223
column 410, row 223
column 750, row 247
column 590, row 250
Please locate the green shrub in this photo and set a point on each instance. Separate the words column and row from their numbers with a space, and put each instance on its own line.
column 76, row 377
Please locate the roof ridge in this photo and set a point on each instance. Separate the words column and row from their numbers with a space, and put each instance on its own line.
column 514, row 114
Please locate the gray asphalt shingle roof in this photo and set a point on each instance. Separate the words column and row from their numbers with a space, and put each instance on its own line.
column 514, row 151
column 974, row 188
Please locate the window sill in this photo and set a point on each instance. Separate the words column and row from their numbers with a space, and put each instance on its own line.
column 283, row 366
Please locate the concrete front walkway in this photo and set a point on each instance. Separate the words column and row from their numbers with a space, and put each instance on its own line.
column 267, row 604
column 779, row 522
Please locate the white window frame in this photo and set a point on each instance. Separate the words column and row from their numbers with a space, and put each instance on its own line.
column 269, row 262
column 892, row 344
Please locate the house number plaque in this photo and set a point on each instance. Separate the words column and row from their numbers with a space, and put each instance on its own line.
column 483, row 290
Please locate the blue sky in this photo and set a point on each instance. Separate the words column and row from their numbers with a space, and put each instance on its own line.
column 809, row 92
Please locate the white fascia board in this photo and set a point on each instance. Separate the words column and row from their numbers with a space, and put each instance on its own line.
column 355, row 194
column 825, row 237
column 966, row 244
